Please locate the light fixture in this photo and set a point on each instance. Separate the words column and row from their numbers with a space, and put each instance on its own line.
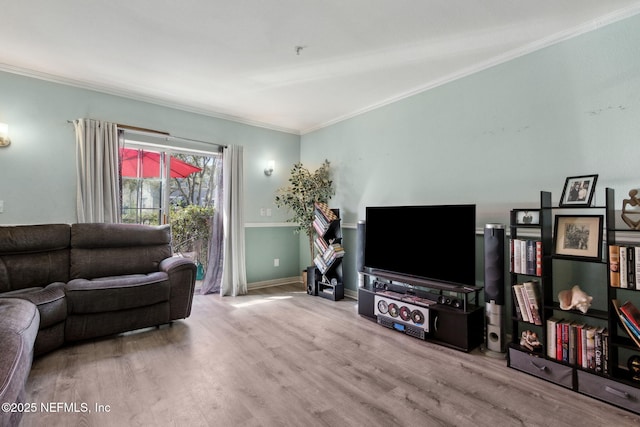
column 4, row 135
column 270, row 166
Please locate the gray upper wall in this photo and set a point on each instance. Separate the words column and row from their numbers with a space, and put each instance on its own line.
column 499, row 136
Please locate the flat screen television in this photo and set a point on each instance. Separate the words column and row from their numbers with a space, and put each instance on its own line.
column 435, row 243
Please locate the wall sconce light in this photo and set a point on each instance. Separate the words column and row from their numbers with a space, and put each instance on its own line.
column 270, row 166
column 4, row 135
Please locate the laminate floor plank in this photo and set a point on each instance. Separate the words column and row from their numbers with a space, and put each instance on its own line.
column 279, row 357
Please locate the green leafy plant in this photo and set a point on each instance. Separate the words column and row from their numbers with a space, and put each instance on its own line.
column 190, row 228
column 304, row 189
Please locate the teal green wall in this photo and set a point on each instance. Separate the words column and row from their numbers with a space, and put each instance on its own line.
column 279, row 243
column 499, row 136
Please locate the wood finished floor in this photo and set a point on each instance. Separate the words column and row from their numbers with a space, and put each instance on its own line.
column 278, row 357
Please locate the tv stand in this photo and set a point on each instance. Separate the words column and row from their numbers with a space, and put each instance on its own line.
column 444, row 313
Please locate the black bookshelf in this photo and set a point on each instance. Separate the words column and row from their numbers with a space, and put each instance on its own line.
column 327, row 281
column 611, row 380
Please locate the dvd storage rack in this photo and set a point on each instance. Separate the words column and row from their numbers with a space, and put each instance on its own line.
column 327, row 280
column 599, row 363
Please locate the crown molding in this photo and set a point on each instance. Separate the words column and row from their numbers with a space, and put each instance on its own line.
column 587, row 27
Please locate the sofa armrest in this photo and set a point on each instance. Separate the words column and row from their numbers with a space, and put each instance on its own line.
column 182, row 277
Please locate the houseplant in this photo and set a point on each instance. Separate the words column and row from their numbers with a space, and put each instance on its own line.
column 190, row 231
column 305, row 188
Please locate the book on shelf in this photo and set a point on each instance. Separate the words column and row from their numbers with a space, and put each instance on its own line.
column 320, row 244
column 623, row 266
column 614, row 266
column 599, row 349
column 631, row 328
column 516, row 305
column 631, row 267
column 531, row 257
column 605, row 351
column 591, row 347
column 532, row 290
column 319, row 228
column 632, row 313
column 637, row 267
column 563, row 341
column 320, row 263
column 515, row 255
column 325, row 212
column 626, row 323
column 552, row 323
column 518, row 291
column 526, row 256
column 521, row 301
column 583, row 347
column 578, row 343
column 333, row 252
column 572, row 346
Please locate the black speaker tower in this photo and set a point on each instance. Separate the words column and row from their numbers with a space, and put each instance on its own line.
column 360, row 242
column 494, row 275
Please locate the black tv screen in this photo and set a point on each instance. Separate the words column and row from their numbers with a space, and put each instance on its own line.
column 430, row 242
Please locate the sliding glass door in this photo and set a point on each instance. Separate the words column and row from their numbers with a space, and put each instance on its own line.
column 162, row 185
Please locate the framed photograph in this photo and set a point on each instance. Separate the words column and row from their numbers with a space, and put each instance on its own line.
column 578, row 236
column 527, row 217
column 578, row 190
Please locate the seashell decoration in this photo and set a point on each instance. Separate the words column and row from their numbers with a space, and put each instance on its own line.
column 575, row 299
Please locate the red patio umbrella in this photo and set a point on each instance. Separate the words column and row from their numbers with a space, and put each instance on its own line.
column 146, row 164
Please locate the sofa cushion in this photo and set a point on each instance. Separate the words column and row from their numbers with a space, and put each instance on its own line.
column 33, row 255
column 50, row 301
column 116, row 293
column 18, row 329
column 101, row 250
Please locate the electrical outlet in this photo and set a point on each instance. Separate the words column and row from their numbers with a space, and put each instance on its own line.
column 1, row 206
column 276, row 262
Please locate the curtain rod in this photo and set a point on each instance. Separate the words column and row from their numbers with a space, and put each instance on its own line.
column 167, row 135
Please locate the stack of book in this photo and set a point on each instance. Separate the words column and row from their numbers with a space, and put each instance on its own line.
column 624, row 266
column 526, row 297
column 578, row 344
column 320, row 244
column 630, row 318
column 324, row 216
column 324, row 260
column 526, row 256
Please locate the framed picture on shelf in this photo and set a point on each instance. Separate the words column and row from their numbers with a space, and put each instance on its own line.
column 578, row 236
column 527, row 217
column 578, row 191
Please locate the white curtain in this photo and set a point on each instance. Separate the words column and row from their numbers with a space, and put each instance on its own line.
column 97, row 158
column 227, row 273
column 215, row 264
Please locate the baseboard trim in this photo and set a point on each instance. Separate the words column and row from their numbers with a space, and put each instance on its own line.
column 275, row 282
column 348, row 293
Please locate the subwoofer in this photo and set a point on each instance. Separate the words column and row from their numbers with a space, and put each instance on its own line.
column 494, row 286
column 312, row 281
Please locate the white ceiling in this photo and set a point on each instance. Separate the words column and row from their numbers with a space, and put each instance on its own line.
column 238, row 60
